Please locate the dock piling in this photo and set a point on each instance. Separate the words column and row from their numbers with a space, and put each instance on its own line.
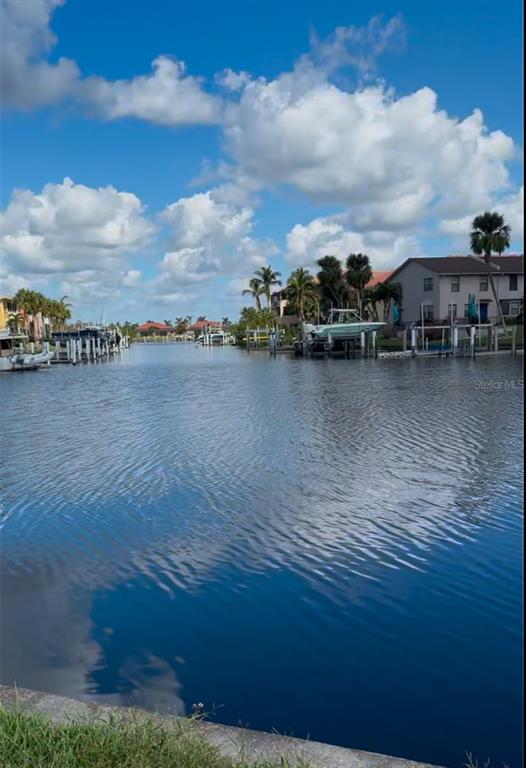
column 413, row 341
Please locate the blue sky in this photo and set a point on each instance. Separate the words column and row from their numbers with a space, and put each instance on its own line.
column 386, row 136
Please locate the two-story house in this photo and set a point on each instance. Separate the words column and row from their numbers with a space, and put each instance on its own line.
column 7, row 308
column 439, row 289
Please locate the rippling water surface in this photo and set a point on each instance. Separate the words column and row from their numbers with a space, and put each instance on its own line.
column 328, row 548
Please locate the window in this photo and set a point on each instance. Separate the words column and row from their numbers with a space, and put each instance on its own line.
column 427, row 310
column 514, row 282
column 511, row 308
column 428, row 283
column 483, row 284
column 455, row 284
column 452, row 311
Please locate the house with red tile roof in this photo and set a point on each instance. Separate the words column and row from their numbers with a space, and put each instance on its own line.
column 205, row 326
column 152, row 328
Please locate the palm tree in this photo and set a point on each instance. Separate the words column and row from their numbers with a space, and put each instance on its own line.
column 14, row 322
column 63, row 311
column 386, row 294
column 181, row 325
column 255, row 289
column 358, row 274
column 490, row 234
column 269, row 279
column 333, row 289
column 31, row 303
column 370, row 301
column 302, row 292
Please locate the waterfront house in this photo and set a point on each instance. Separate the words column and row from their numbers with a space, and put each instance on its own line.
column 439, row 289
column 7, row 308
column 151, row 328
column 205, row 326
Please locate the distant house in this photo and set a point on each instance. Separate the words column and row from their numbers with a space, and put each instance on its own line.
column 205, row 326
column 439, row 288
column 154, row 329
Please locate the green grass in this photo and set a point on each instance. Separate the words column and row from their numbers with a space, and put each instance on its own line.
column 31, row 741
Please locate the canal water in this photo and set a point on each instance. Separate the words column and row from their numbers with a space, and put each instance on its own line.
column 331, row 549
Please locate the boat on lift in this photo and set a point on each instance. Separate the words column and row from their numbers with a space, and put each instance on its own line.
column 343, row 325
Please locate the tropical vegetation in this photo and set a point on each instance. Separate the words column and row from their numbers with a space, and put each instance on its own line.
column 255, row 289
column 311, row 297
column 490, row 234
column 334, row 290
column 302, row 294
column 357, row 275
column 32, row 303
column 268, row 280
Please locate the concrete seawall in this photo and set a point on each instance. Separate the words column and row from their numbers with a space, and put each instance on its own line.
column 232, row 742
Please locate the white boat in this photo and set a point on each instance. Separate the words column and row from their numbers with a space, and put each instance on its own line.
column 29, row 361
column 343, row 325
column 214, row 339
column 14, row 357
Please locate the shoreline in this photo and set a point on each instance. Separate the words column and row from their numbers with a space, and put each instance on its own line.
column 231, row 741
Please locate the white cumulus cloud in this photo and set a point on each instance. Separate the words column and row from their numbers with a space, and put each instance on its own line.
column 209, row 237
column 27, row 80
column 168, row 96
column 510, row 206
column 76, row 235
column 389, row 160
column 70, row 227
column 328, row 236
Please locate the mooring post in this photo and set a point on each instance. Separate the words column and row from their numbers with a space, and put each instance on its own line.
column 514, row 340
column 375, row 352
column 57, row 350
column 472, row 332
column 362, row 342
column 404, row 341
column 496, row 343
column 413, row 341
column 455, row 340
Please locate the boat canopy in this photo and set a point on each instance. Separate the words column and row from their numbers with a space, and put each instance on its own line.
column 344, row 316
